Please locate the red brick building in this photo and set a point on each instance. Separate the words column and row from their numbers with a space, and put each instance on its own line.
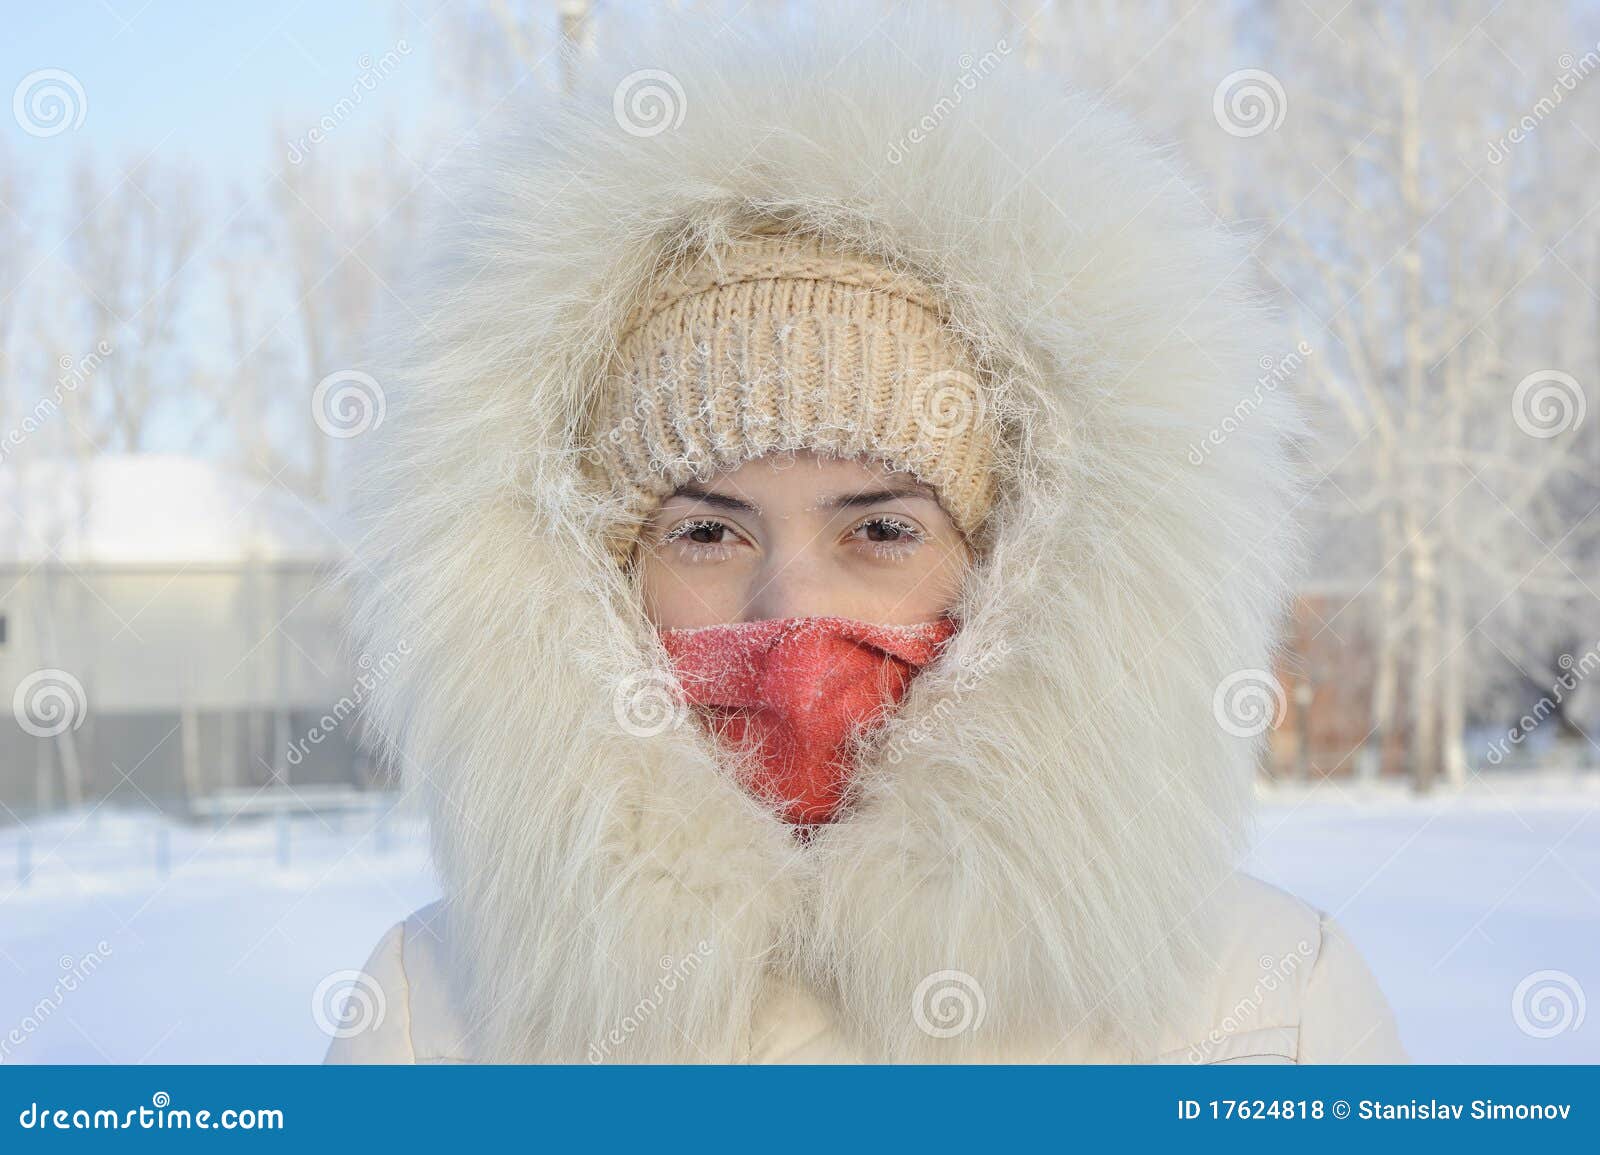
column 1327, row 670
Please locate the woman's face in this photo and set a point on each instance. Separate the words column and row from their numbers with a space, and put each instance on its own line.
column 801, row 535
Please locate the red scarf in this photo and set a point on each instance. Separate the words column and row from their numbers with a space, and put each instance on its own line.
column 798, row 689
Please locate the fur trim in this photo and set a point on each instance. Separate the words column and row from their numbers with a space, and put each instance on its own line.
column 1055, row 835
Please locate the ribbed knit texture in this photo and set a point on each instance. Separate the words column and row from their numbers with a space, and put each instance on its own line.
column 778, row 342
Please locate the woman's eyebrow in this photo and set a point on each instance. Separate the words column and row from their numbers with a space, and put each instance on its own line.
column 875, row 496
column 719, row 500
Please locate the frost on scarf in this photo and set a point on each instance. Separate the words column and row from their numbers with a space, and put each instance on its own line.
column 800, row 691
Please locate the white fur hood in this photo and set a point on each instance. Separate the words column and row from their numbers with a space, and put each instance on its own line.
column 1063, row 805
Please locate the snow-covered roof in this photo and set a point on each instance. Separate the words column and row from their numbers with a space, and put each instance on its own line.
column 145, row 509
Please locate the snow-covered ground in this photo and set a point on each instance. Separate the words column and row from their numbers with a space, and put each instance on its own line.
column 212, row 957
column 1479, row 912
column 187, row 944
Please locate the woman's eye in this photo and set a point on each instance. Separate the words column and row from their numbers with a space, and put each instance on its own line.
column 702, row 536
column 702, row 533
column 891, row 531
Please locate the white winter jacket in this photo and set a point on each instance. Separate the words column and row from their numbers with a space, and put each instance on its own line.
column 1286, row 987
column 1038, row 862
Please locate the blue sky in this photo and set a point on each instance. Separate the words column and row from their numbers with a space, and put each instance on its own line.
column 218, row 89
column 207, row 82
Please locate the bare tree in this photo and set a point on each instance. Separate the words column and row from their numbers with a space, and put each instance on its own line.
column 1417, row 253
column 340, row 225
column 131, row 264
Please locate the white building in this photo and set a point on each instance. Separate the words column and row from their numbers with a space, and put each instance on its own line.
column 168, row 629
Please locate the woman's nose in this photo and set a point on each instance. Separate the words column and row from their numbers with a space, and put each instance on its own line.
column 791, row 585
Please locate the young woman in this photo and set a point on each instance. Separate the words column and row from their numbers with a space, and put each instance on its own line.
column 818, row 631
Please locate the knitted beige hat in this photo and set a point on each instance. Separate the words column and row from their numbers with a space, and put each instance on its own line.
column 779, row 342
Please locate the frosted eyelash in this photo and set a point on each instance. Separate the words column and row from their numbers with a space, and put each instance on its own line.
column 702, row 551
column 910, row 536
column 689, row 527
